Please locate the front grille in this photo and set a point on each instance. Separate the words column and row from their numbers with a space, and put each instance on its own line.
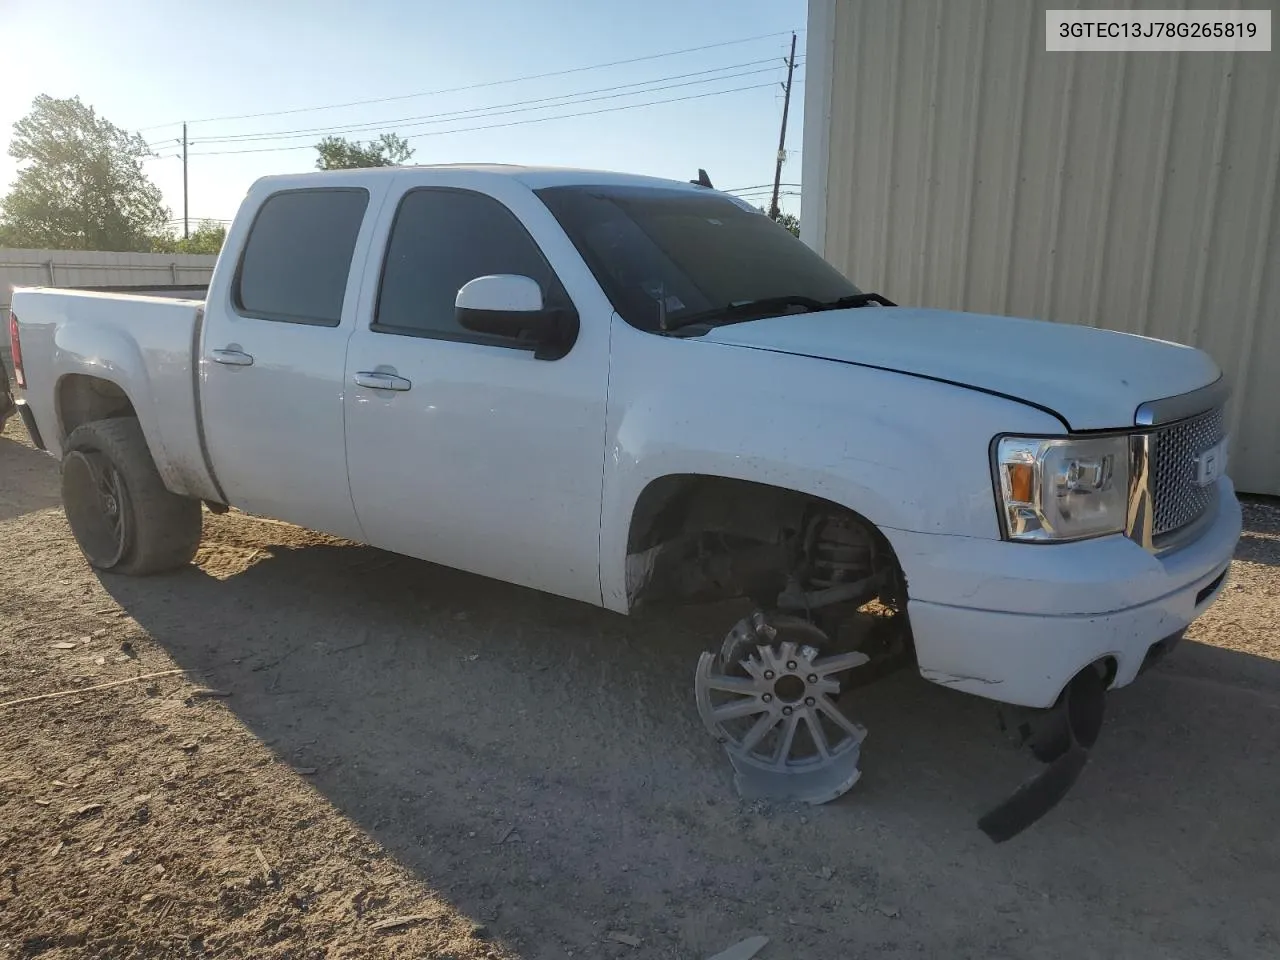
column 1177, row 498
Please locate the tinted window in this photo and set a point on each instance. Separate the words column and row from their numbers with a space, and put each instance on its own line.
column 441, row 240
column 298, row 256
column 686, row 250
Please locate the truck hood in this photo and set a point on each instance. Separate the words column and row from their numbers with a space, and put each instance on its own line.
column 1091, row 379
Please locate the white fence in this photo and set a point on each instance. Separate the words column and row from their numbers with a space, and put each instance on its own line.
column 95, row 268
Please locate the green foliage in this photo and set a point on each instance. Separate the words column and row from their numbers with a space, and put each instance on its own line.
column 339, row 153
column 207, row 237
column 790, row 221
column 80, row 183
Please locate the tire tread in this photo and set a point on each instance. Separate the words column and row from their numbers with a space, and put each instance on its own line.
column 166, row 526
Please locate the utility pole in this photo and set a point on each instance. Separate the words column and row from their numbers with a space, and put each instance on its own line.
column 782, row 135
column 186, row 221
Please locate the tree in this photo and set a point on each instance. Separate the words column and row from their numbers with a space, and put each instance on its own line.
column 80, row 183
column 207, row 237
column 339, row 153
column 788, row 221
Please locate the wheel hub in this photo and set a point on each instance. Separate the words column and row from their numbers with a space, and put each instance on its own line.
column 767, row 698
column 93, row 495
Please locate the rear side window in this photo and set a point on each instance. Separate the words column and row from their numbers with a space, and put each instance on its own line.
column 298, row 256
column 441, row 240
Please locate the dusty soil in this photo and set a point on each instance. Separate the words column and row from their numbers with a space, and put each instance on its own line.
column 527, row 777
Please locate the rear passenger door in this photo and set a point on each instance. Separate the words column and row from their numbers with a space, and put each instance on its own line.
column 480, row 456
column 273, row 357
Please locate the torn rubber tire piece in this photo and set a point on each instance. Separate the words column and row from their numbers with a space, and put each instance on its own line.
column 1081, row 708
column 768, row 699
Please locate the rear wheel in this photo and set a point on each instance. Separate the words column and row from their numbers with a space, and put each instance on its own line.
column 123, row 517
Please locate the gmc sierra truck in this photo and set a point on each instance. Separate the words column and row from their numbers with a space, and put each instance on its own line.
column 631, row 391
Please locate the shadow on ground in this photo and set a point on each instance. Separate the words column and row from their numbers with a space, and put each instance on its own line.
column 442, row 710
column 27, row 485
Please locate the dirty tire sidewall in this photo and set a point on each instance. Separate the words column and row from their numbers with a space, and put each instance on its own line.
column 163, row 529
column 104, row 537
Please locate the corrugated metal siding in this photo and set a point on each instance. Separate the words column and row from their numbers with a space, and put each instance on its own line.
column 966, row 167
column 93, row 268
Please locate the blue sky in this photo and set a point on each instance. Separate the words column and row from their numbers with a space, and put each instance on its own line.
column 147, row 63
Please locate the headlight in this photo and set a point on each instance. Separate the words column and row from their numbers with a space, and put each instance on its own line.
column 1063, row 489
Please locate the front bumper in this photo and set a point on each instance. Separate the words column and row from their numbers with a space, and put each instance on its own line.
column 1015, row 622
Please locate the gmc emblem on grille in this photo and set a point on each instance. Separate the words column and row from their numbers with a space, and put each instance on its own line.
column 1211, row 463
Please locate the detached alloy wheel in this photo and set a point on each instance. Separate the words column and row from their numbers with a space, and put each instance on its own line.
column 97, row 505
column 124, row 518
column 767, row 699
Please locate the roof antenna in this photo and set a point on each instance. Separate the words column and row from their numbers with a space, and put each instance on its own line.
column 703, row 180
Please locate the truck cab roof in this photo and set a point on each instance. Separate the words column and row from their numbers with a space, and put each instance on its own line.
column 533, row 177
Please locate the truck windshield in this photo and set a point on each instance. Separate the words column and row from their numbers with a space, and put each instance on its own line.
column 666, row 254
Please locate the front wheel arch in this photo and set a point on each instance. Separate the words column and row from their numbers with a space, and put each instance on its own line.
column 677, row 505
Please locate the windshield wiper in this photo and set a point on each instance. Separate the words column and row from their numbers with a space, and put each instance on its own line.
column 749, row 308
column 858, row 300
column 753, row 309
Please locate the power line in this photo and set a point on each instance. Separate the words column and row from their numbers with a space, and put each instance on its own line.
column 477, row 86
column 765, row 195
column 498, row 109
column 758, row 186
column 511, row 123
column 486, row 112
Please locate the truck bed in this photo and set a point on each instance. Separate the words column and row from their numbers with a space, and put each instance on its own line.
column 181, row 291
column 145, row 345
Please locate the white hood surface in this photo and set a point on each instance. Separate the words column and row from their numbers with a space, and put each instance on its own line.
column 1092, row 379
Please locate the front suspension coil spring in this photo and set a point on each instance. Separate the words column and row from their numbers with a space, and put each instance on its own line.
column 839, row 551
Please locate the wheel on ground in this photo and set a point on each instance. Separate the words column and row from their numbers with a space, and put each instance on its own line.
column 123, row 517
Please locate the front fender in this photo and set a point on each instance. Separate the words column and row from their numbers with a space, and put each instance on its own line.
column 905, row 452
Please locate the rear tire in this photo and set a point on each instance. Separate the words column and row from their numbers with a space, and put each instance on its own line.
column 123, row 517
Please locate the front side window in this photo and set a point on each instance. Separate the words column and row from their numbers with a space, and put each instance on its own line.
column 441, row 240
column 663, row 254
column 298, row 256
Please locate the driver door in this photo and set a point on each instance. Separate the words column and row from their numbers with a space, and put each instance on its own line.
column 463, row 448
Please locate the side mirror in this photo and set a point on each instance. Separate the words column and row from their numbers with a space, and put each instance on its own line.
column 507, row 305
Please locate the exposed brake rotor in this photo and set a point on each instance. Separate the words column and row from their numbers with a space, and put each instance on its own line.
column 767, row 698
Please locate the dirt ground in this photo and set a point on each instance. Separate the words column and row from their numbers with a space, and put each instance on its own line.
column 525, row 777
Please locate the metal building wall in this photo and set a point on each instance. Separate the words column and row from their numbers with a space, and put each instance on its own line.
column 93, row 268
column 950, row 161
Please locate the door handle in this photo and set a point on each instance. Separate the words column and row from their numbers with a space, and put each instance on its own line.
column 232, row 358
column 377, row 380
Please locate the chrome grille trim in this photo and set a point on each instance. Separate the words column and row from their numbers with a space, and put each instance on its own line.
column 1166, row 506
column 1184, row 406
column 1178, row 500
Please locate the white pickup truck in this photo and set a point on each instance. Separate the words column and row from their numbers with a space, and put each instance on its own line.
column 631, row 391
